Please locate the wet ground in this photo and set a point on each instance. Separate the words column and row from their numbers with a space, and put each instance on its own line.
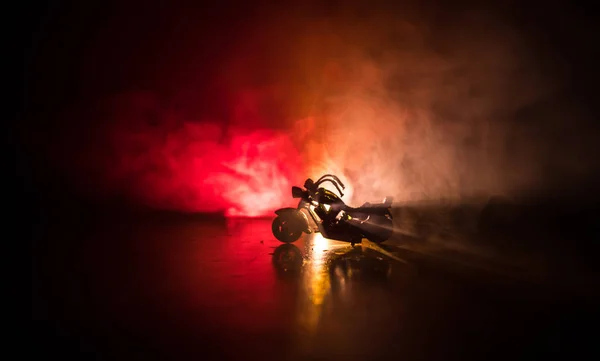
column 216, row 289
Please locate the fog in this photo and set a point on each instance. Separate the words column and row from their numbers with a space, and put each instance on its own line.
column 411, row 103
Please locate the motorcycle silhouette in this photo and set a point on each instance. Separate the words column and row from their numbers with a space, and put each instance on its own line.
column 331, row 216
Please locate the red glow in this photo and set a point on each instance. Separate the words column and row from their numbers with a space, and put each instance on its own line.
column 197, row 168
column 235, row 141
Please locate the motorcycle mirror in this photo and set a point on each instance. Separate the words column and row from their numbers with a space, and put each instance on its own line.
column 309, row 183
column 297, row 192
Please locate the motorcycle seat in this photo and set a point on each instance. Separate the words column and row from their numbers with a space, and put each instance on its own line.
column 372, row 207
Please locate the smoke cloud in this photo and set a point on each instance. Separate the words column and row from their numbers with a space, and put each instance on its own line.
column 418, row 117
column 411, row 106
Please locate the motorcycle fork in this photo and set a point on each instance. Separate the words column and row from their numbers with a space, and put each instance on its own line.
column 315, row 219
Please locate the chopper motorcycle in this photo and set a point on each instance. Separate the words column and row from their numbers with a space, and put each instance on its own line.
column 331, row 216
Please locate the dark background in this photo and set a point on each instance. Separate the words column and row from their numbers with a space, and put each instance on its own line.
column 74, row 54
column 70, row 54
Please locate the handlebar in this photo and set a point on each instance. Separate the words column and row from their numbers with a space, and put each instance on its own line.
column 337, row 180
column 333, row 182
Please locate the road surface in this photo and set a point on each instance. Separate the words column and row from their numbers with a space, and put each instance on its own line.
column 218, row 289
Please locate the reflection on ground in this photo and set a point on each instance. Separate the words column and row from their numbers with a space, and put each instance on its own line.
column 329, row 275
column 206, row 289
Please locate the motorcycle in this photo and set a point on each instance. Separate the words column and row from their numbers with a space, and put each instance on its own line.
column 330, row 216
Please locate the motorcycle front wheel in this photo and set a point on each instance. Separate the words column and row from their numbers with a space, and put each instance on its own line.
column 283, row 230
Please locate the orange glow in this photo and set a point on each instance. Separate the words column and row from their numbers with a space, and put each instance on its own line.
column 316, row 280
column 319, row 280
column 315, row 283
column 373, row 102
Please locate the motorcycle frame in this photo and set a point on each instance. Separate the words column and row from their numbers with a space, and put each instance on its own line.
column 304, row 204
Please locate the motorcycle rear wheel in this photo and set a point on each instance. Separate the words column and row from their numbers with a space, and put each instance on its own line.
column 281, row 229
